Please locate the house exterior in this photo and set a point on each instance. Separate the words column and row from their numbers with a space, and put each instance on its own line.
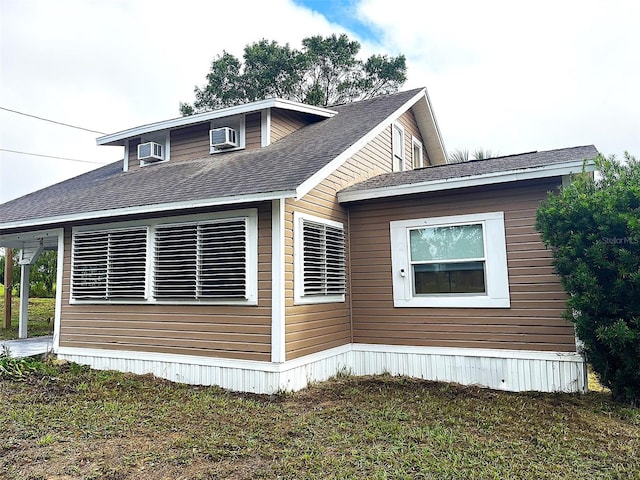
column 265, row 246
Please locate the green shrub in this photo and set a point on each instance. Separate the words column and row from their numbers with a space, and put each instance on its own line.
column 593, row 226
column 15, row 368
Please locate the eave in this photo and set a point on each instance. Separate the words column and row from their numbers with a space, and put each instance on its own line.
column 118, row 138
column 5, row 228
column 545, row 171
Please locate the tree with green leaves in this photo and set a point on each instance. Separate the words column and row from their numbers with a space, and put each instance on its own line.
column 42, row 275
column 593, row 226
column 326, row 71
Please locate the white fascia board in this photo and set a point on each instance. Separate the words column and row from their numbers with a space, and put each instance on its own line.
column 330, row 167
column 303, row 108
column 434, row 122
column 16, row 240
column 143, row 209
column 555, row 170
column 119, row 137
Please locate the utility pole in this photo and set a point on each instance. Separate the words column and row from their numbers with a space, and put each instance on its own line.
column 8, row 285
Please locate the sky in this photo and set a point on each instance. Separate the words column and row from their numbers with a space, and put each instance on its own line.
column 506, row 76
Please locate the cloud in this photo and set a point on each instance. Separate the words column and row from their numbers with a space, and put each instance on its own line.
column 508, row 76
column 517, row 76
column 113, row 65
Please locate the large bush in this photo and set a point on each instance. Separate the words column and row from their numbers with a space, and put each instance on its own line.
column 593, row 226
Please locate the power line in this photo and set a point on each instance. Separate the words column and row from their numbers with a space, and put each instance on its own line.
column 50, row 156
column 52, row 121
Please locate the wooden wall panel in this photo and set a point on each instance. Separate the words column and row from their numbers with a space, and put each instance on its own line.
column 253, row 131
column 313, row 328
column 284, row 122
column 190, row 143
column 133, row 153
column 241, row 332
column 408, row 121
column 534, row 320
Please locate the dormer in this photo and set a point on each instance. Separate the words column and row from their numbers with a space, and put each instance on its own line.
column 249, row 126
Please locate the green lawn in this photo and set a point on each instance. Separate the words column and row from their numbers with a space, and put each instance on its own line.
column 67, row 422
column 41, row 312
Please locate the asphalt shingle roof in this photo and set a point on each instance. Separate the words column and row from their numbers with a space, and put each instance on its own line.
column 476, row 167
column 282, row 166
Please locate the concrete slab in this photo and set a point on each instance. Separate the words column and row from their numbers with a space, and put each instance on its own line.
column 28, row 347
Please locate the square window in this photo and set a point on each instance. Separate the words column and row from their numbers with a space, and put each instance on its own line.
column 154, row 148
column 204, row 260
column 230, row 136
column 109, row 264
column 457, row 261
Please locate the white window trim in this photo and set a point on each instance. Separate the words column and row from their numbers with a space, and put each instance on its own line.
column 298, row 264
column 393, row 155
column 230, row 122
column 251, row 215
column 420, row 161
column 497, row 278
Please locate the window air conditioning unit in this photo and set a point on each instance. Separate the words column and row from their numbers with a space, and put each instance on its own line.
column 150, row 152
column 224, row 137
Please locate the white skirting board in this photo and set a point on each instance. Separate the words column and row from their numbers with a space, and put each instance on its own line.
column 511, row 370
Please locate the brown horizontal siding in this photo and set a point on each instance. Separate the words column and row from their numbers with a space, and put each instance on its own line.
column 133, row 153
column 534, row 320
column 168, row 346
column 317, row 327
column 190, row 142
column 241, row 332
column 253, row 131
column 408, row 121
column 284, row 122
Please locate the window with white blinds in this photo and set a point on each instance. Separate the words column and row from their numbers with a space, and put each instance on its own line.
column 204, row 260
column 210, row 258
column 109, row 264
column 321, row 268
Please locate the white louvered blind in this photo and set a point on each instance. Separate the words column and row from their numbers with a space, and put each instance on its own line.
column 109, row 264
column 323, row 259
column 206, row 260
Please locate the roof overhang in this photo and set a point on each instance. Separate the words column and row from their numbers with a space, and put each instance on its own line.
column 48, row 239
column 428, row 125
column 118, row 138
column 143, row 210
column 545, row 171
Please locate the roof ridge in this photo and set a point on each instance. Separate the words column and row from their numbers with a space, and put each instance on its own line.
column 477, row 160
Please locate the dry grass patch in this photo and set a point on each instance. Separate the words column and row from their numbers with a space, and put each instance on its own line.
column 69, row 422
